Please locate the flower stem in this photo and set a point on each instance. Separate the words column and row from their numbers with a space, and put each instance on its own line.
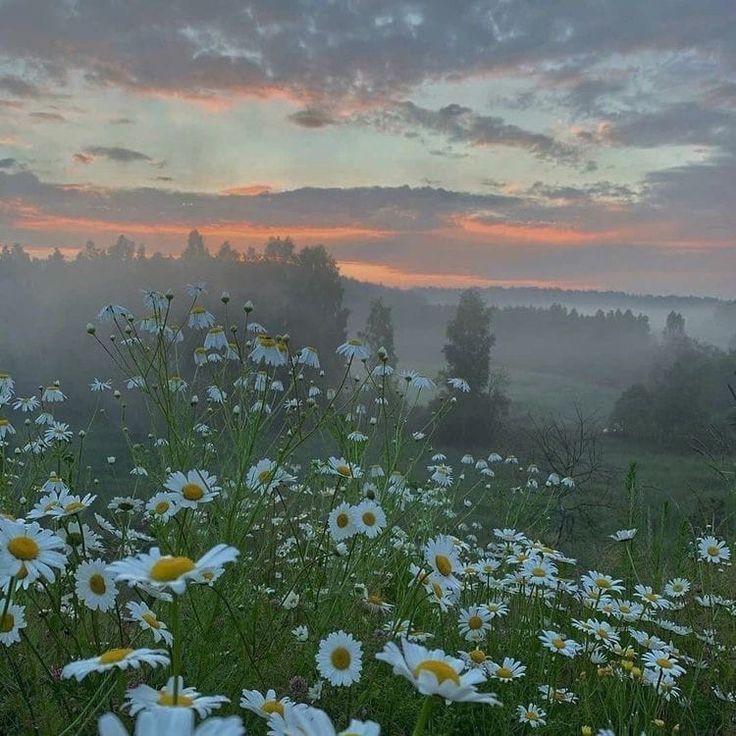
column 424, row 716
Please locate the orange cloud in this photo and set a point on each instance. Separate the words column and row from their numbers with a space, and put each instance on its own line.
column 29, row 217
column 247, row 190
column 377, row 273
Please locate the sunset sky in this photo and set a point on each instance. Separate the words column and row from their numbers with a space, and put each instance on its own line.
column 587, row 144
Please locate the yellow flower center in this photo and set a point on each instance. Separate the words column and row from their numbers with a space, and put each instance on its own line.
column 713, row 551
column 603, row 583
column 475, row 622
column 161, row 507
column 538, row 572
column 340, row 658
column 180, row 701
column 343, row 470
column 369, row 518
column 167, row 569
column 73, row 507
column 342, row 520
column 558, row 643
column 272, row 706
column 7, row 622
column 97, row 584
column 111, row 656
column 440, row 669
column 443, row 565
column 478, row 656
column 150, row 618
column 23, row 548
column 192, row 492
column 504, row 673
column 375, row 599
column 265, row 476
column 664, row 663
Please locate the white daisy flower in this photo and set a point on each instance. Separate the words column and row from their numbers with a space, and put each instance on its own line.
column 193, row 488
column 440, row 553
column 29, row 552
column 342, row 522
column 432, row 672
column 340, row 659
column 557, row 643
column 148, row 621
column 623, row 535
column 11, row 622
column 144, row 697
column 167, row 571
column 341, row 467
column 353, row 350
column 95, row 586
column 121, row 658
column 162, row 506
column 369, row 518
column 711, row 549
column 266, row 474
column 268, row 350
column 474, row 623
column 531, row 715
column 263, row 705
column 510, row 669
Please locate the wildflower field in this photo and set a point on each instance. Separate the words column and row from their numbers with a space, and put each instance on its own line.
column 293, row 554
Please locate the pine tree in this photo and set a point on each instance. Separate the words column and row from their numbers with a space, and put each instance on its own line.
column 379, row 330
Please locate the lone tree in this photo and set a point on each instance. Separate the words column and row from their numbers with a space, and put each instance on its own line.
column 195, row 250
column 379, row 330
column 477, row 414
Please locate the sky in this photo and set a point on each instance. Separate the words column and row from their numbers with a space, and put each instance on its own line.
column 585, row 144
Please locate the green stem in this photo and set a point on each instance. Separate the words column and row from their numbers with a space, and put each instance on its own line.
column 424, row 716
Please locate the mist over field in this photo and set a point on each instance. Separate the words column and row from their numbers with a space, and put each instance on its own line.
column 367, row 368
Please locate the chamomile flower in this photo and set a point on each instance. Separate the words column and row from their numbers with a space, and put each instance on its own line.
column 162, row 506
column 148, row 621
column 662, row 662
column 711, row 549
column 95, row 586
column 341, row 467
column 342, row 522
column 192, row 488
column 531, row 715
column 72, row 505
column 263, row 705
column 353, row 350
column 267, row 350
column 510, row 669
column 432, row 672
column 6, row 428
column 266, row 474
column 215, row 339
column 53, row 394
column 144, row 697
column 340, row 659
column 29, row 552
column 440, row 553
column 121, row 658
column 370, row 518
column 474, row 623
column 11, row 622
column 557, row 643
column 200, row 318
column 167, row 571
column 623, row 535
column 460, row 384
column 677, row 587
column 308, row 356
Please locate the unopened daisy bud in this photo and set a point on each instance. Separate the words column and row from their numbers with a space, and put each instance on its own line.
column 22, row 499
column 586, row 731
column 233, row 329
column 225, row 298
column 658, row 722
column 91, row 329
column 636, row 672
column 382, row 354
column 169, row 294
column 248, row 307
column 116, row 393
column 82, row 433
column 194, row 400
column 111, row 460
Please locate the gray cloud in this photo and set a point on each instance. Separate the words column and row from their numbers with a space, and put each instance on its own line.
column 117, row 154
column 47, row 117
column 312, row 117
column 8, row 163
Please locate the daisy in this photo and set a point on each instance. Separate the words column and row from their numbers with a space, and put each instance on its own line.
column 6, row 428
column 47, row 503
column 148, row 621
column 263, row 705
column 460, row 384
column 623, row 535
column 144, row 697
column 308, row 356
column 53, row 394
column 125, row 504
column 557, row 643
column 532, row 715
column 162, row 506
column 353, row 350
column 122, row 658
column 11, row 622
column 200, row 318
column 598, row 584
column 268, row 350
column 58, row 432
column 713, row 550
column 95, row 586
column 215, row 339
column 29, row 552
column 342, row 522
column 507, row 671
column 167, row 571
column 649, row 597
column 340, row 659
column 677, row 587
column 193, row 488
column 432, row 672
column 266, row 474
column 370, row 518
column 26, row 404
column 441, row 555
column 341, row 467
column 111, row 311
column 98, row 386
column 662, row 662
column 474, row 623
column 71, row 505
